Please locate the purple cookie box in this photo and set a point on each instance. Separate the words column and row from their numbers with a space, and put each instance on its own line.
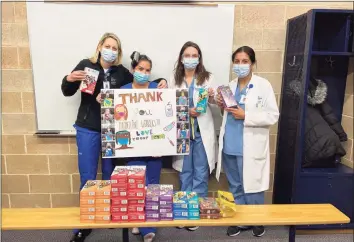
column 152, row 199
column 166, row 216
column 153, row 192
column 166, row 203
column 166, row 192
column 166, row 210
column 152, row 216
column 152, row 207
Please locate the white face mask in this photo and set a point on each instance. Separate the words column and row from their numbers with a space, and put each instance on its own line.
column 241, row 70
column 190, row 63
column 109, row 55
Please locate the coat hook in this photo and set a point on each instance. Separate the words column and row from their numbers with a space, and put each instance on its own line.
column 330, row 61
column 294, row 62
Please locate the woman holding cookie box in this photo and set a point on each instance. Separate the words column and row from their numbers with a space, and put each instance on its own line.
column 105, row 68
column 244, row 134
column 190, row 73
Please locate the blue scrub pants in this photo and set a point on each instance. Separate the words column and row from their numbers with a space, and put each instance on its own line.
column 195, row 172
column 233, row 167
column 89, row 150
column 153, row 172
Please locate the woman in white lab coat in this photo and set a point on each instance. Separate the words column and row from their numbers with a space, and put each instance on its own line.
column 196, row 167
column 244, row 135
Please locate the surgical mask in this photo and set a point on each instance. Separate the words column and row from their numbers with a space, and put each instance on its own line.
column 190, row 63
column 109, row 55
column 141, row 78
column 241, row 70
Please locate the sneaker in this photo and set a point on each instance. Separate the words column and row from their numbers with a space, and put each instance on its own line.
column 149, row 237
column 233, row 231
column 180, row 227
column 258, row 231
column 81, row 235
column 135, row 231
column 192, row 228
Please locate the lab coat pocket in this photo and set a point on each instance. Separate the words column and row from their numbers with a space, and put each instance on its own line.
column 261, row 137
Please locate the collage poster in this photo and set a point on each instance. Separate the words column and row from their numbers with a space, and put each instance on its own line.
column 146, row 122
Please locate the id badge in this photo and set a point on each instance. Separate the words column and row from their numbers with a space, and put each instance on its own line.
column 243, row 99
column 106, row 85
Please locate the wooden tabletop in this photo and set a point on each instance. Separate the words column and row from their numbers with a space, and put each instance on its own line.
column 68, row 218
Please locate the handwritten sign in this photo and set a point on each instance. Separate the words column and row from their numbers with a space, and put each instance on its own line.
column 144, row 122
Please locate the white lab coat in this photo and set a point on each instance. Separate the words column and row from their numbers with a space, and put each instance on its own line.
column 256, row 155
column 206, row 126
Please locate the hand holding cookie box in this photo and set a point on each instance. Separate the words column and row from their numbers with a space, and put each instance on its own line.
column 89, row 84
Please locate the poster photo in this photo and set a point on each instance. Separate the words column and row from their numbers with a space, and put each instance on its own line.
column 144, row 122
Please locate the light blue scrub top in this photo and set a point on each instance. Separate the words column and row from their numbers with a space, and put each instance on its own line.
column 233, row 137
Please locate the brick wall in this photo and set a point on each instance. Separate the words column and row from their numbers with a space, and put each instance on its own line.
column 42, row 172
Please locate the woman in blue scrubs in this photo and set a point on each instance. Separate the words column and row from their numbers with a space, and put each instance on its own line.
column 244, row 135
column 107, row 60
column 141, row 66
column 195, row 168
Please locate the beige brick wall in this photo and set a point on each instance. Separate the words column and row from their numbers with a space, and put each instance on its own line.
column 42, row 172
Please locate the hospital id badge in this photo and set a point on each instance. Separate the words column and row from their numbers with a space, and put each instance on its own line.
column 243, row 99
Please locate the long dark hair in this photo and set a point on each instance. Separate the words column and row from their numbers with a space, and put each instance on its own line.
column 201, row 73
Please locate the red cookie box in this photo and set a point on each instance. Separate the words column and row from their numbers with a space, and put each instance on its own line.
column 119, row 218
column 137, row 175
column 136, row 194
column 121, row 209
column 119, row 185
column 136, row 217
column 120, row 175
column 136, row 185
column 119, row 201
column 119, row 192
column 136, row 202
column 139, row 208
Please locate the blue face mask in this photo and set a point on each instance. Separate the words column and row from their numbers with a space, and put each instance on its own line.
column 190, row 63
column 109, row 55
column 241, row 70
column 141, row 78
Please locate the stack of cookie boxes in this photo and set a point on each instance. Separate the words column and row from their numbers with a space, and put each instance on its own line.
column 185, row 206
column 95, row 202
column 159, row 202
column 128, row 194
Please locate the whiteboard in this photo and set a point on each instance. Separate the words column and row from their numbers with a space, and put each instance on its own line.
column 62, row 34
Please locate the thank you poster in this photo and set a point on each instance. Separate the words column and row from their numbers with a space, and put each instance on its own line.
column 144, row 122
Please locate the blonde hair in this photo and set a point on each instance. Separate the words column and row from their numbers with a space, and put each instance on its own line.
column 118, row 61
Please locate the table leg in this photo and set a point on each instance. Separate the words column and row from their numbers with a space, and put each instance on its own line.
column 292, row 233
column 125, row 234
